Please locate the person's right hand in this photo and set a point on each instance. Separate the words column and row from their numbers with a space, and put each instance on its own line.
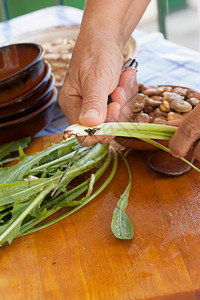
column 93, row 74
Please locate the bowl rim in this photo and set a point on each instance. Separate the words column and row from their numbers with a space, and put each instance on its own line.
column 51, row 101
column 38, row 32
column 29, row 93
column 47, row 92
column 38, row 58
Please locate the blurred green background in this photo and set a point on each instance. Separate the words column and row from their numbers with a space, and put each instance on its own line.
column 16, row 8
column 175, row 5
column 20, row 7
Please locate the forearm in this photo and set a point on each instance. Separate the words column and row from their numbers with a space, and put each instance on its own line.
column 113, row 18
column 95, row 67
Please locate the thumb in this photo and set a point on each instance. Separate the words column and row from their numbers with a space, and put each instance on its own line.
column 94, row 106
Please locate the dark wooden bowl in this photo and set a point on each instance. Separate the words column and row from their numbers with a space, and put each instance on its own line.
column 21, row 68
column 34, row 99
column 30, row 124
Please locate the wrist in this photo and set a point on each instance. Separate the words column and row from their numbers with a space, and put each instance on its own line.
column 103, row 30
column 105, row 18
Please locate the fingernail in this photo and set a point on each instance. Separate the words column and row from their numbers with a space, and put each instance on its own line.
column 90, row 114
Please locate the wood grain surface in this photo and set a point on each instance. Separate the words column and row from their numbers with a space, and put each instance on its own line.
column 79, row 258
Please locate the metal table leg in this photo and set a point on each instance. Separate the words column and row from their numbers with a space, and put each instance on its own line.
column 59, row 2
column 162, row 11
column 4, row 9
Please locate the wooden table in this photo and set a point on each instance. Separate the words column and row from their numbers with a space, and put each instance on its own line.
column 79, row 258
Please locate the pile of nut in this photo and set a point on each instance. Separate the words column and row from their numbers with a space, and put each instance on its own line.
column 159, row 104
column 58, row 54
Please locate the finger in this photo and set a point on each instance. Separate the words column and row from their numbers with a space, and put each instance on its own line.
column 94, row 106
column 70, row 102
column 128, row 82
column 125, row 93
column 113, row 110
column 187, row 133
column 127, row 86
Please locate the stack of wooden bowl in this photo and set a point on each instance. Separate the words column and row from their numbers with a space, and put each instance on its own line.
column 27, row 91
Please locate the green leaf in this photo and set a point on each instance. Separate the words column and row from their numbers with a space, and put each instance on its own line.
column 7, row 231
column 22, row 190
column 49, row 168
column 20, row 210
column 13, row 146
column 121, row 225
column 4, row 215
column 70, row 196
column 19, row 171
column 8, row 159
column 22, row 155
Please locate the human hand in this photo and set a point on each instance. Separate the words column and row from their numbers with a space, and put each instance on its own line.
column 187, row 136
column 93, row 74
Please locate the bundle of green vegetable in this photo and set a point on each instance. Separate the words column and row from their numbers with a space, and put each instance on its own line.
column 143, row 131
column 26, row 188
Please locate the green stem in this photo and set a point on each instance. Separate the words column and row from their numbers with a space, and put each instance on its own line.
column 125, row 129
column 66, row 158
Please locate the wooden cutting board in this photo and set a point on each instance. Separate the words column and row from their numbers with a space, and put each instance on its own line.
column 79, row 258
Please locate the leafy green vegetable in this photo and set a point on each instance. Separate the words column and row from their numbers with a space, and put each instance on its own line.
column 121, row 225
column 143, row 131
column 26, row 200
column 77, row 191
column 7, row 149
column 25, row 188
column 23, row 168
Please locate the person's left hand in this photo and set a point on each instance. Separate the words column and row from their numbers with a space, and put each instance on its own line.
column 187, row 136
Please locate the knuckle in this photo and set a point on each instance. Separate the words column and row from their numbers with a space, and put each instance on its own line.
column 93, row 95
column 69, row 90
column 175, row 150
